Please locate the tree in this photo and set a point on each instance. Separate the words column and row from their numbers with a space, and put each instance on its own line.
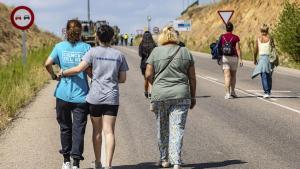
column 287, row 31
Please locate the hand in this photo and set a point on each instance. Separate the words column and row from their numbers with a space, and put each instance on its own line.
column 241, row 63
column 193, row 103
column 255, row 62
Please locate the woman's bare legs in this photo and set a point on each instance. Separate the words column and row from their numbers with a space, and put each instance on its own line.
column 97, row 137
column 109, row 134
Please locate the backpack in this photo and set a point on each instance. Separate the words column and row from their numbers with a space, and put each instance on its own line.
column 216, row 50
column 227, row 48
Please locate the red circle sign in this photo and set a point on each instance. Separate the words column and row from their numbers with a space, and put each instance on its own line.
column 22, row 17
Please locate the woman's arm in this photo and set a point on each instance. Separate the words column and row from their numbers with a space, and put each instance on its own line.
column 149, row 74
column 75, row 70
column 48, row 65
column 255, row 53
column 89, row 71
column 192, row 81
column 122, row 77
column 239, row 52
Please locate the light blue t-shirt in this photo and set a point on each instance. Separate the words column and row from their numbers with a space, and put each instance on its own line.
column 107, row 63
column 75, row 88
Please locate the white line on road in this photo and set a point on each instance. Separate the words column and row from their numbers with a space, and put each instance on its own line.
column 273, row 91
column 250, row 94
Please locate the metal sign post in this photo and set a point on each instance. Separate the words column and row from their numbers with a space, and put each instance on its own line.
column 22, row 18
column 24, row 48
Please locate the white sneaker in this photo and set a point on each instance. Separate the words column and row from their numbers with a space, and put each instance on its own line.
column 233, row 94
column 96, row 165
column 75, row 167
column 165, row 164
column 108, row 168
column 176, row 167
column 228, row 96
column 66, row 165
column 266, row 96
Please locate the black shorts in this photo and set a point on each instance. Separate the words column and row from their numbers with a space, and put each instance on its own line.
column 103, row 109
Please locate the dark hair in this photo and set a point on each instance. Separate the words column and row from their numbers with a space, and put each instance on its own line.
column 74, row 31
column 147, row 44
column 105, row 33
column 229, row 27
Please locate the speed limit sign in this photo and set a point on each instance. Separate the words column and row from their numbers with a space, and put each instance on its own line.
column 22, row 18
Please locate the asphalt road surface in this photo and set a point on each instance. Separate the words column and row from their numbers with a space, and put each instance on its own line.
column 244, row 133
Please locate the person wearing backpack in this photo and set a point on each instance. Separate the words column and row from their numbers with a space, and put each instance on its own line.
column 264, row 66
column 231, row 51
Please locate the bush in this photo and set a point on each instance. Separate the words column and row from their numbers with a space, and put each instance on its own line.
column 287, row 31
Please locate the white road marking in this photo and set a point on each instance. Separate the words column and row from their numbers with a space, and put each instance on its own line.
column 250, row 94
column 211, row 78
column 273, row 91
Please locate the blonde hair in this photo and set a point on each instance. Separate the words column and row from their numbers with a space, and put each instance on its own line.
column 264, row 28
column 168, row 35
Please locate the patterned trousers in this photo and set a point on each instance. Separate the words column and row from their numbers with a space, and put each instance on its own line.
column 171, row 118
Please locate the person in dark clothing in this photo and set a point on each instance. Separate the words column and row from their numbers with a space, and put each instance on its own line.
column 122, row 39
column 145, row 49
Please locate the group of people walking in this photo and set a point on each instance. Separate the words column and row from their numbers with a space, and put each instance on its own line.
column 169, row 82
column 264, row 58
column 75, row 99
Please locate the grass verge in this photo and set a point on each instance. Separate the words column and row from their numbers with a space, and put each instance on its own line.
column 20, row 83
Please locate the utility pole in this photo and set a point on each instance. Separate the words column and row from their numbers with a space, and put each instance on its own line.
column 88, row 6
column 149, row 18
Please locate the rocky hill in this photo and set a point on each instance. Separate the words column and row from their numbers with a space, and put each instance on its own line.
column 11, row 38
column 248, row 16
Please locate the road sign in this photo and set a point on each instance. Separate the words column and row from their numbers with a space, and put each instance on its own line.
column 22, row 17
column 156, row 30
column 225, row 15
column 182, row 25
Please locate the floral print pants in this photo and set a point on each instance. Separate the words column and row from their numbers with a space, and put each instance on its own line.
column 171, row 118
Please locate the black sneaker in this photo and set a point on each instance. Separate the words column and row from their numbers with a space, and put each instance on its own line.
column 146, row 94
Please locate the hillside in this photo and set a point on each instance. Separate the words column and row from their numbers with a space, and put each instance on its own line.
column 11, row 38
column 248, row 16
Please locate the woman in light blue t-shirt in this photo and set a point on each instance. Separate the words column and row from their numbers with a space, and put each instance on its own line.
column 109, row 69
column 70, row 94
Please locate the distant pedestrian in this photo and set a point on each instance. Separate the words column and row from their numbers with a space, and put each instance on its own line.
column 171, row 70
column 70, row 93
column 263, row 48
column 232, row 56
column 145, row 48
column 122, row 39
column 126, row 39
column 109, row 69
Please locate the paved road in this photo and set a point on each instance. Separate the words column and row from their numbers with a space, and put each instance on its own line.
column 244, row 133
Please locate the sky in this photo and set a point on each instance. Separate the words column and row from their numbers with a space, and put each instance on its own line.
column 129, row 15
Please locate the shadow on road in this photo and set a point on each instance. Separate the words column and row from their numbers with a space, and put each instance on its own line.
column 152, row 165
column 202, row 97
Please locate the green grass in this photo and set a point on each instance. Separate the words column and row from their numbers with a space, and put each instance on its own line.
column 20, row 83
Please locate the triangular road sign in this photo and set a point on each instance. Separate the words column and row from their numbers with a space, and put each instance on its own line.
column 226, row 15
